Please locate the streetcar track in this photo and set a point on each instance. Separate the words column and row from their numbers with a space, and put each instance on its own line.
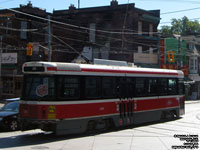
column 198, row 116
column 189, row 122
column 181, row 125
column 172, row 130
column 191, row 112
column 163, row 143
column 125, row 136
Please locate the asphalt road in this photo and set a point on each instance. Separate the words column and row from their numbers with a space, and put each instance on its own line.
column 176, row 134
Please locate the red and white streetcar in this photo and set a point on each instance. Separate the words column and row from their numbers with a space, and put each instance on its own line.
column 69, row 98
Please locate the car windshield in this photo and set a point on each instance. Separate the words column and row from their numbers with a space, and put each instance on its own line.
column 12, row 106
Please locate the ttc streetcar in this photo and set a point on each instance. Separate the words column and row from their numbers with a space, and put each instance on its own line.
column 69, row 98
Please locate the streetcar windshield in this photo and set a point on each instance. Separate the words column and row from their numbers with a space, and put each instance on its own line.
column 38, row 87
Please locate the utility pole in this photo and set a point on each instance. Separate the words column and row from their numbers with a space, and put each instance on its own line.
column 179, row 53
column 49, row 38
column 1, row 87
column 159, row 54
column 78, row 4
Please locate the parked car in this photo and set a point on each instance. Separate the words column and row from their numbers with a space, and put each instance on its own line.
column 8, row 100
column 9, row 116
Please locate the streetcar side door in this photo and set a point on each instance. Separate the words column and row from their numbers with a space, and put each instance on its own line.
column 126, row 93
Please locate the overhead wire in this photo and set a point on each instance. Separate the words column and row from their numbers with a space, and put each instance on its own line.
column 96, row 34
column 110, row 51
column 100, row 30
column 67, row 24
column 117, row 49
column 73, row 25
column 14, row 29
column 178, row 11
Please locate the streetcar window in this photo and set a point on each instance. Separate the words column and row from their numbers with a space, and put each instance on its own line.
column 130, row 82
column 39, row 87
column 109, row 87
column 51, row 86
column 68, row 88
column 163, row 86
column 140, row 89
column 172, row 87
column 123, row 88
column 92, row 87
column 152, row 87
column 181, row 87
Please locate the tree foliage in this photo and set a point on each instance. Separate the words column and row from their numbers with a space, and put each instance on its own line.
column 181, row 26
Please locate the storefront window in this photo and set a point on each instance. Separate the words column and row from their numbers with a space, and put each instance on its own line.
column 7, row 86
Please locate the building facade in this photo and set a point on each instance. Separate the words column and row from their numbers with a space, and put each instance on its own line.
column 173, row 54
column 115, row 32
column 17, row 29
column 193, row 56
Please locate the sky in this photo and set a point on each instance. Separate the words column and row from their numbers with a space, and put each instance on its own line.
column 165, row 6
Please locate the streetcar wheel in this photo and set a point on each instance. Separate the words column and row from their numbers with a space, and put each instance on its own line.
column 91, row 125
column 109, row 123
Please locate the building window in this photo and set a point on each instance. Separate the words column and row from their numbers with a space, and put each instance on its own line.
column 191, row 46
column 196, row 64
column 139, row 49
column 151, row 30
column 140, row 27
column 150, row 50
column 23, row 34
column 8, row 86
column 92, row 33
column 191, row 64
column 9, row 27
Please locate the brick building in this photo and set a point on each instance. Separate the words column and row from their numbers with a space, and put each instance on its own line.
column 16, row 30
column 116, row 32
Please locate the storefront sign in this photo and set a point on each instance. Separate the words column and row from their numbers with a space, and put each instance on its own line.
column 9, row 58
column 145, row 58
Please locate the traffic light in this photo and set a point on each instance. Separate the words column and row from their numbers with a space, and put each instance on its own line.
column 29, row 49
column 170, row 56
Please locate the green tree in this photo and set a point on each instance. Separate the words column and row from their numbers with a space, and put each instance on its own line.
column 181, row 26
column 166, row 30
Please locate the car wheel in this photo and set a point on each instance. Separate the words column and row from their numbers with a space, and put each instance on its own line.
column 13, row 125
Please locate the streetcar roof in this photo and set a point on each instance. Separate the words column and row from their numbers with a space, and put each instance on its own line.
column 91, row 69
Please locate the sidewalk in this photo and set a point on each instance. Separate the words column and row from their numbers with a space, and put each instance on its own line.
column 192, row 101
